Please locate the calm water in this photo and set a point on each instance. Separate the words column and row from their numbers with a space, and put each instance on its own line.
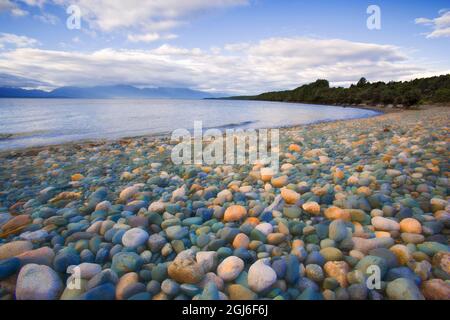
column 33, row 122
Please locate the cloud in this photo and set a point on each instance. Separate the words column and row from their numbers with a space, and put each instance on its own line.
column 37, row 3
column 108, row 15
column 47, row 18
column 149, row 37
column 270, row 64
column 9, row 6
column 17, row 41
column 7, row 80
column 440, row 25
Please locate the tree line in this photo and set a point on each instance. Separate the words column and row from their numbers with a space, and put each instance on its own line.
column 433, row 90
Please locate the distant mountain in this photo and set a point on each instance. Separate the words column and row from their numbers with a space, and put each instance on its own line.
column 6, row 92
column 108, row 92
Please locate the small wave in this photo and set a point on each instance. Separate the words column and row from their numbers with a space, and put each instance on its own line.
column 232, row 125
column 9, row 136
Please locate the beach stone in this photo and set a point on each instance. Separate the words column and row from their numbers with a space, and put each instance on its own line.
column 225, row 195
column 239, row 292
column 337, row 230
column 332, row 254
column 16, row 224
column 403, row 289
column 105, row 276
column 185, row 270
column 292, row 269
column 103, row 206
column 170, row 287
column 38, row 282
column 235, row 213
column 358, row 215
column 34, row 236
column 207, row 260
column 310, row 294
column 279, row 182
column 333, row 213
column 176, row 232
column 14, row 248
column 421, row 268
column 358, row 291
column 125, row 282
column 410, row 225
column 402, row 253
column 365, row 245
column 437, row 204
column 190, row 290
column 441, row 260
column 368, row 261
column 292, row 212
column 124, row 262
column 266, row 174
column 289, row 196
column 337, row 270
column 157, row 207
column 64, row 259
column 211, row 277
column 9, row 267
column 276, row 238
column 431, row 247
column 134, row 237
column 105, row 291
column 86, row 270
column 414, row 238
column 311, row 207
column 73, row 293
column 294, row 148
column 230, row 268
column 210, row 292
column 261, row 276
column 385, row 224
column 129, row 192
column 241, row 241
column 314, row 272
column 265, row 228
column 156, row 242
column 387, row 255
column 436, row 289
column 178, row 194
column 43, row 256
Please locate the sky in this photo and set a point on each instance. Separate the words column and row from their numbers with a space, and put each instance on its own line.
column 233, row 46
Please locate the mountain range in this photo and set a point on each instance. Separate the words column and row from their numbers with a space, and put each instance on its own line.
column 108, row 92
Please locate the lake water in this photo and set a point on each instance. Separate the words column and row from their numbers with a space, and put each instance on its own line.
column 34, row 122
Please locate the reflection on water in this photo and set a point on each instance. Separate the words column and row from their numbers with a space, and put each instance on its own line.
column 31, row 122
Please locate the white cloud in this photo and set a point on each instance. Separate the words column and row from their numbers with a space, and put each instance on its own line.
column 7, row 5
column 38, row 3
column 16, row 41
column 270, row 64
column 108, row 15
column 47, row 18
column 149, row 37
column 440, row 25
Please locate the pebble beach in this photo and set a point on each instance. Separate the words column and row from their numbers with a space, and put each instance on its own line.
column 350, row 195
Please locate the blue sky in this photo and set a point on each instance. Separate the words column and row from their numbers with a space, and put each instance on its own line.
column 238, row 46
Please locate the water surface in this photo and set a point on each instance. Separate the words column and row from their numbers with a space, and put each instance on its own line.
column 35, row 122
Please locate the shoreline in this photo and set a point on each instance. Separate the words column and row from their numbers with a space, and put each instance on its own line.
column 164, row 135
column 32, row 150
